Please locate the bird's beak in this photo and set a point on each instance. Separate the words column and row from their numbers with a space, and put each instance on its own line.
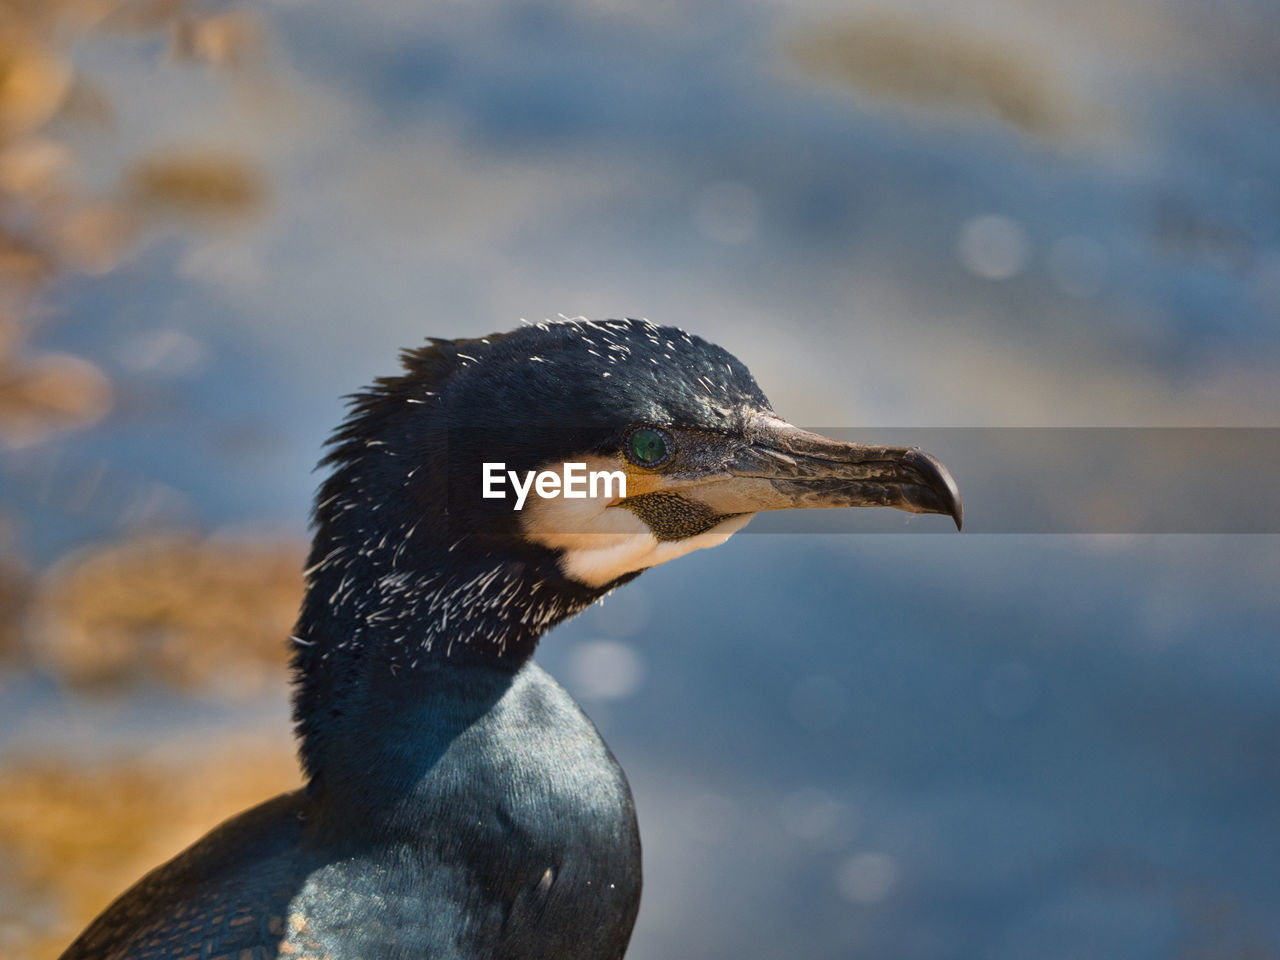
column 785, row 468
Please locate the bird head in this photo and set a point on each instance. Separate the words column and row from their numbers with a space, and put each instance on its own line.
column 684, row 447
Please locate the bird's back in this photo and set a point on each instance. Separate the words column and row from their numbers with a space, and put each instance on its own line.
column 518, row 842
column 223, row 896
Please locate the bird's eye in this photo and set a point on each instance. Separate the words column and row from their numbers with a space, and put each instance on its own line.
column 647, row 447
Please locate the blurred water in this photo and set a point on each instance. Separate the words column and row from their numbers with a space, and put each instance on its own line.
column 1052, row 747
column 950, row 746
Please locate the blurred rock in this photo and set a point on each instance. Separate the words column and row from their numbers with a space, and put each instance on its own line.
column 95, row 237
column 229, row 39
column 48, row 393
column 15, row 592
column 33, row 81
column 937, row 65
column 196, row 184
column 196, row 614
column 88, row 105
column 32, row 165
column 23, row 266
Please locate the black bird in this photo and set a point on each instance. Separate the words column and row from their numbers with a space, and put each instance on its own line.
column 459, row 805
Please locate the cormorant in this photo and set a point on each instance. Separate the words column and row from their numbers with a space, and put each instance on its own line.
column 458, row 803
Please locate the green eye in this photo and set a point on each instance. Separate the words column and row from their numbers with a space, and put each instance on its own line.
column 647, row 447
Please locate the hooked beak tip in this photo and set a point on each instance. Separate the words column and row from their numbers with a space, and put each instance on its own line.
column 944, row 495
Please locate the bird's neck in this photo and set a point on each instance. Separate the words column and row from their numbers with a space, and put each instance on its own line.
column 380, row 625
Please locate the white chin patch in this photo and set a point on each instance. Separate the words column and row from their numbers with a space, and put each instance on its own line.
column 601, row 541
column 619, row 554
